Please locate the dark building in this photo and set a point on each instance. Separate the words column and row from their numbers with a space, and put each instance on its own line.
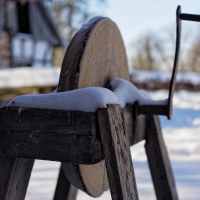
column 27, row 34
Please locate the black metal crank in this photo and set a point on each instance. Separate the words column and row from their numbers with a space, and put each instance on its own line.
column 167, row 109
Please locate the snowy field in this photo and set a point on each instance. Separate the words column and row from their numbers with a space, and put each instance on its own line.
column 29, row 76
column 182, row 138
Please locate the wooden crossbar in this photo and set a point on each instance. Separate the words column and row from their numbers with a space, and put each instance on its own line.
column 81, row 137
column 65, row 136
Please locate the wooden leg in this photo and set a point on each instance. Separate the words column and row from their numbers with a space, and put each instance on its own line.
column 64, row 190
column 15, row 174
column 117, row 153
column 159, row 163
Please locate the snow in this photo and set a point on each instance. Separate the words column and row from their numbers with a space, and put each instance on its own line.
column 91, row 21
column 145, row 76
column 182, row 140
column 86, row 100
column 189, row 77
column 29, row 76
column 34, row 76
column 126, row 92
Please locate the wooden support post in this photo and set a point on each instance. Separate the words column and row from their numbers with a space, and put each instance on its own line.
column 64, row 190
column 15, row 174
column 158, row 161
column 117, row 153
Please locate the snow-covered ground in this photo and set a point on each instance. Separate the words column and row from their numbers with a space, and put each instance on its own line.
column 36, row 76
column 182, row 138
column 162, row 77
column 29, row 76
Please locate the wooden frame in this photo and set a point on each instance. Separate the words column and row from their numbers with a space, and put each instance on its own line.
column 80, row 137
column 28, row 133
column 158, row 160
column 116, row 149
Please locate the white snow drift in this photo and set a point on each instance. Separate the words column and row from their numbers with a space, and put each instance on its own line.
column 126, row 92
column 87, row 99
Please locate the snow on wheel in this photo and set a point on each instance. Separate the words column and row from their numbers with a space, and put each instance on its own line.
column 94, row 57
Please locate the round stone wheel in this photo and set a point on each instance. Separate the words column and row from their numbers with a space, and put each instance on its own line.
column 94, row 57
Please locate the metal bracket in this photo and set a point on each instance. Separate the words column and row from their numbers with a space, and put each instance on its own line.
column 167, row 109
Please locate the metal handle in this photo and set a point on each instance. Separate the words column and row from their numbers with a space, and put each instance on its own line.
column 166, row 109
column 176, row 61
column 190, row 17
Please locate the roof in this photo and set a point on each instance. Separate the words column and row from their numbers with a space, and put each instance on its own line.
column 40, row 22
column 42, row 26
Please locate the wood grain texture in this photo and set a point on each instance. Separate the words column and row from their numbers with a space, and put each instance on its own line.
column 117, row 153
column 159, row 161
column 70, row 73
column 95, row 56
column 48, row 134
column 15, row 174
column 70, row 70
column 135, row 133
column 55, row 135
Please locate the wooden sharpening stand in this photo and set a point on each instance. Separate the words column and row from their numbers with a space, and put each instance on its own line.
column 83, row 141
column 83, row 138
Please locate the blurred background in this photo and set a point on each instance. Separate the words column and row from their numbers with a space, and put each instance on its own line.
column 34, row 36
column 34, row 32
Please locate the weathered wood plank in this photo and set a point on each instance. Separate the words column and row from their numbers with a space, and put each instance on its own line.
column 48, row 134
column 64, row 188
column 44, row 120
column 57, row 135
column 159, row 161
column 15, row 174
column 117, row 153
column 135, row 132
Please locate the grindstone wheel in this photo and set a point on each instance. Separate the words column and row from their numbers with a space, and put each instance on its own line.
column 94, row 57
